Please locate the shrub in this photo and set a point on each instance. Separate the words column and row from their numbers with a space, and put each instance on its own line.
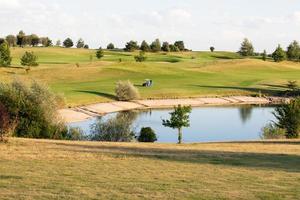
column 116, row 129
column 147, row 135
column 272, row 132
column 34, row 110
column 141, row 57
column 29, row 59
column 68, row 43
column 125, row 91
column 279, row 54
column 288, row 117
column 99, row 53
column 75, row 133
column 5, row 58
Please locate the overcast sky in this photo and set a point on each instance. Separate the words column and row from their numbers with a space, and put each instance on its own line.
column 200, row 23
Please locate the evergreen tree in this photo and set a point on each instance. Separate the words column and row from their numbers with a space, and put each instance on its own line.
column 246, row 48
column 293, row 51
column 99, row 53
column 279, row 54
column 29, row 59
column 5, row 58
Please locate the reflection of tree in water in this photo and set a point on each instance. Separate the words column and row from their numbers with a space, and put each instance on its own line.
column 131, row 116
column 245, row 113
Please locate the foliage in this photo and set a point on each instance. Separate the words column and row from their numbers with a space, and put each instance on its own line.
column 272, row 132
column 264, row 55
column 179, row 118
column 29, row 59
column 5, row 58
column 247, row 48
column 86, row 46
column 75, row 133
column 68, row 43
column 126, row 91
column 80, row 43
column 293, row 51
column 34, row 40
column 147, row 135
column 279, row 54
column 173, row 48
column 292, row 85
column 155, row 46
column 5, row 123
column 131, row 46
column 180, row 45
column 212, row 49
column 21, row 39
column 116, row 129
column 288, row 117
column 145, row 46
column 11, row 40
column 100, row 53
column 110, row 46
column 34, row 110
column 141, row 57
column 165, row 47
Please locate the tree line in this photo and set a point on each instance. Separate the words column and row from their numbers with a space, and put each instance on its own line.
column 155, row 46
column 22, row 40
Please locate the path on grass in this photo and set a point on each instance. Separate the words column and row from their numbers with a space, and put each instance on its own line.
column 83, row 113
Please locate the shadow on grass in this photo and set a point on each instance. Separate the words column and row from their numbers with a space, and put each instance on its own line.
column 9, row 177
column 263, row 161
column 102, row 94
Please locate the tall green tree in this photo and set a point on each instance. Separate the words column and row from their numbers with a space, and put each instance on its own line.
column 80, row 43
column 264, row 55
column 293, row 51
column 5, row 58
column 34, row 40
column 179, row 118
column 21, row 39
column 131, row 46
column 173, row 48
column 110, row 46
column 155, row 46
column 212, row 49
column 68, row 43
column 11, row 40
column 145, row 46
column 247, row 48
column 180, row 45
column 279, row 54
column 165, row 47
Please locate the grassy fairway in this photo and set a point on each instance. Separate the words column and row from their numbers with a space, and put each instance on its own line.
column 41, row 169
column 188, row 74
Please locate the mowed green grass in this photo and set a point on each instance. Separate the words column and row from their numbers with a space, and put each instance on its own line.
column 42, row 169
column 175, row 75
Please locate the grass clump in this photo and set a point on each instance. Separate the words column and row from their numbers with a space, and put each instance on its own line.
column 126, row 91
column 270, row 131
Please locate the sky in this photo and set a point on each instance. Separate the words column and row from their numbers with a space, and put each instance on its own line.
column 200, row 23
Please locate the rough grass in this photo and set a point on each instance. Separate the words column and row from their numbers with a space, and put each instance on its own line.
column 187, row 74
column 42, row 169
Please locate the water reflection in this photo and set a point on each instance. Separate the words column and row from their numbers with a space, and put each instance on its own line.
column 245, row 112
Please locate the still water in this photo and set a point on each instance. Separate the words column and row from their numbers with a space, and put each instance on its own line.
column 208, row 124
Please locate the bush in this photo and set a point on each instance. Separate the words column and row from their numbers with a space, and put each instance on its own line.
column 99, row 53
column 147, row 135
column 29, row 59
column 141, row 57
column 34, row 110
column 125, row 91
column 273, row 132
column 5, row 58
column 75, row 133
column 116, row 129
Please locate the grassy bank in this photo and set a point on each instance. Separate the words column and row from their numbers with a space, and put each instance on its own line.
column 41, row 169
column 188, row 74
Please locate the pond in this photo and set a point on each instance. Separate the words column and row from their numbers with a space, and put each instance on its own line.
column 208, row 124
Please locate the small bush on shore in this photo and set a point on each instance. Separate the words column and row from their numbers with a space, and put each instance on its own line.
column 147, row 135
column 75, row 133
column 271, row 131
column 125, row 91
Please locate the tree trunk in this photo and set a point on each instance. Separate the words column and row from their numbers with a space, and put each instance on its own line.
column 179, row 135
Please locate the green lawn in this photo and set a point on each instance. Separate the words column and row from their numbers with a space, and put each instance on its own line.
column 42, row 169
column 188, row 74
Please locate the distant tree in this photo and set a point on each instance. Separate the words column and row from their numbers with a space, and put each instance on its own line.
column 80, row 43
column 179, row 119
column 58, row 43
column 11, row 40
column 180, row 45
column 29, row 59
column 147, row 135
column 174, row 48
column 68, row 43
column 99, row 53
column 21, row 39
column 279, row 54
column 293, row 51
column 165, row 47
column 212, row 49
column 34, row 40
column 145, row 46
column 86, row 46
column 155, row 46
column 5, row 58
column 49, row 43
column 264, row 55
column 141, row 57
column 246, row 48
column 110, row 46
column 131, row 46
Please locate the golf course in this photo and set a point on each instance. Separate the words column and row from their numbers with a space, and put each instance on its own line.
column 83, row 79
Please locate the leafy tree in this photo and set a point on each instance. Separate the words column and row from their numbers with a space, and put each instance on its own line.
column 173, row 48
column 145, row 46
column 293, row 51
column 58, row 43
column 80, row 43
column 34, row 40
column 165, row 47
column 21, row 39
column 264, row 55
column 131, row 46
column 5, row 58
column 246, row 48
column 29, row 59
column 212, row 49
column 180, row 45
column 110, row 46
column 179, row 119
column 141, row 57
column 86, row 46
column 68, row 43
column 155, row 46
column 99, row 53
column 11, row 40
column 45, row 41
column 288, row 117
column 279, row 54
column 147, row 135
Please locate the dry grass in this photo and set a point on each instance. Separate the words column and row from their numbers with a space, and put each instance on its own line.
column 42, row 169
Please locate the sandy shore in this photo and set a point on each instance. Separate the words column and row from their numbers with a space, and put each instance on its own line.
column 85, row 112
